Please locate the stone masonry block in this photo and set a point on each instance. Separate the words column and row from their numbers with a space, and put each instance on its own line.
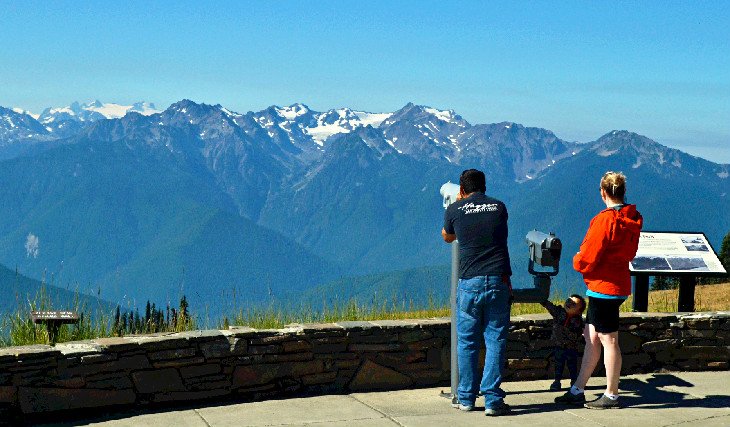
column 273, row 339
column 216, row 348
column 426, row 344
column 710, row 353
column 254, row 375
column 117, row 383
column 34, row 400
column 127, row 363
column 283, row 358
column 323, row 378
column 519, row 364
column 239, row 346
column 265, row 349
column 414, row 335
column 158, row 381
column 186, row 396
column 176, row 353
column 296, row 346
column 629, row 342
column 659, row 346
column 200, row 370
column 8, row 394
column 695, row 333
column 375, row 347
column 98, row 358
column 372, row 376
column 520, row 335
column 176, row 363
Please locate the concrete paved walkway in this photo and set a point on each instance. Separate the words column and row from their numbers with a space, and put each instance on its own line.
column 688, row 398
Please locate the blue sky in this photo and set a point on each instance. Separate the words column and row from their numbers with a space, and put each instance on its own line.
column 580, row 69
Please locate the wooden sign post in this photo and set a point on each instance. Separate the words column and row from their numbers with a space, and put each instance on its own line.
column 53, row 321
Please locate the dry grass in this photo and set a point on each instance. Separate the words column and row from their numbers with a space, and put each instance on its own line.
column 707, row 298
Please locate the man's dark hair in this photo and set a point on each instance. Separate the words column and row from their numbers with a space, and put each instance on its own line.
column 472, row 181
column 581, row 299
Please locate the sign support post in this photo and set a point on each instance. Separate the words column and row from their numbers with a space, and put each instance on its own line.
column 641, row 293
column 686, row 299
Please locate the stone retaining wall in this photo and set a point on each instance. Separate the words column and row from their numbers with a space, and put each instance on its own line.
column 244, row 363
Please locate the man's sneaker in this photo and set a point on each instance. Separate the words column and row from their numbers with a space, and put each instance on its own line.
column 571, row 399
column 462, row 407
column 555, row 386
column 501, row 409
column 603, row 402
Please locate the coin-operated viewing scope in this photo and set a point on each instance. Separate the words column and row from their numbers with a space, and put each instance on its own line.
column 544, row 252
column 449, row 192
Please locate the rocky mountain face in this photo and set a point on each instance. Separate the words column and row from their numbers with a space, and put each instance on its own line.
column 198, row 198
column 18, row 127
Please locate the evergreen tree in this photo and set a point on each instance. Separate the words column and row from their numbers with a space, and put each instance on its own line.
column 137, row 322
column 662, row 283
column 724, row 257
column 117, row 323
column 725, row 253
column 147, row 313
column 184, row 308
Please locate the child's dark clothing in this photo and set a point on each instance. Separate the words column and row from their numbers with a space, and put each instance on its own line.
column 568, row 339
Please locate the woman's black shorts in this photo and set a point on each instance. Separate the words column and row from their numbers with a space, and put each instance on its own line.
column 603, row 314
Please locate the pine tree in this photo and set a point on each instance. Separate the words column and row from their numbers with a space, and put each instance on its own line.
column 184, row 308
column 662, row 283
column 724, row 257
column 117, row 323
column 147, row 313
column 725, row 252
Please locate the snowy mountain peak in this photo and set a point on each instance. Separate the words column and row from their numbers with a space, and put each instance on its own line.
column 26, row 112
column 16, row 124
column 292, row 111
column 424, row 114
column 342, row 120
column 144, row 108
column 93, row 111
column 448, row 116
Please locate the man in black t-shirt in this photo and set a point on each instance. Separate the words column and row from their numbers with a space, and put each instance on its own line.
column 479, row 222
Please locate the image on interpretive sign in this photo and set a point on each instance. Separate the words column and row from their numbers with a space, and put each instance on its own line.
column 694, row 248
column 650, row 263
column 692, row 239
column 687, row 263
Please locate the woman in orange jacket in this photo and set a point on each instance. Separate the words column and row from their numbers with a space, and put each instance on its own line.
column 610, row 243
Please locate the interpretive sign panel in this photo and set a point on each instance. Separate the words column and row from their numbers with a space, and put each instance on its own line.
column 675, row 253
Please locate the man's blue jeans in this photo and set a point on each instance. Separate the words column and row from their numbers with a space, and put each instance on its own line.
column 483, row 313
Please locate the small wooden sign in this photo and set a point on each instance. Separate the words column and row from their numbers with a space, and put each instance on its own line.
column 54, row 316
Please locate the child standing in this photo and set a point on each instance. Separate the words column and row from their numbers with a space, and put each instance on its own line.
column 567, row 336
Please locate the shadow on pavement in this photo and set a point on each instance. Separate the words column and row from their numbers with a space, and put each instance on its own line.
column 652, row 394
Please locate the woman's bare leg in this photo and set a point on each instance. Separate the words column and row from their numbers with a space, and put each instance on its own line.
column 611, row 360
column 591, row 356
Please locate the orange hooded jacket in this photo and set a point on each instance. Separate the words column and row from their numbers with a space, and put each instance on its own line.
column 610, row 243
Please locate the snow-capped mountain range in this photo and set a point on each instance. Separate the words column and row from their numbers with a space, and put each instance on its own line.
column 65, row 121
column 417, row 131
column 93, row 111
